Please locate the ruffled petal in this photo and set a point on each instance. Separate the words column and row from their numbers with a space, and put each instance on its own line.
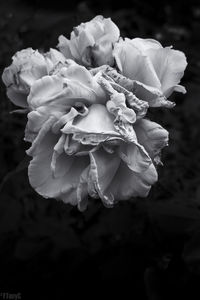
column 27, row 66
column 69, row 169
column 54, row 58
column 152, row 136
column 72, row 147
column 117, row 106
column 60, row 92
column 138, row 90
column 95, row 127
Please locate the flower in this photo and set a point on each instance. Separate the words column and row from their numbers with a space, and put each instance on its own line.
column 87, row 112
column 86, row 141
column 28, row 65
column 146, row 61
column 91, row 43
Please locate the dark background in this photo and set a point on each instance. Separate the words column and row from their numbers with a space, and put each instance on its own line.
column 149, row 247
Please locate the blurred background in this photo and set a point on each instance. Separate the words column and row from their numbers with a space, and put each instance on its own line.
column 152, row 245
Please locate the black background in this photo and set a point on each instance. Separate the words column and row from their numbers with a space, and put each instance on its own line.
column 149, row 247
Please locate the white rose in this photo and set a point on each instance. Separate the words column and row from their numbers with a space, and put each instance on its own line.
column 87, row 142
column 91, row 43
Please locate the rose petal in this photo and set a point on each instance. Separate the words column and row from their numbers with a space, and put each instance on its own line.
column 134, row 64
column 127, row 183
column 117, row 106
column 53, row 59
column 152, row 136
column 103, row 167
column 91, row 43
column 41, row 178
column 63, row 46
column 82, row 190
column 139, row 90
column 113, row 180
column 61, row 93
column 169, row 65
column 135, row 156
column 146, row 44
column 93, row 128
column 18, row 97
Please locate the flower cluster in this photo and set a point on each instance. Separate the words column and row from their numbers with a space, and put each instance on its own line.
column 86, row 105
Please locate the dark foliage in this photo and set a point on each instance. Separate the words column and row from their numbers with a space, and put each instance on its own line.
column 151, row 246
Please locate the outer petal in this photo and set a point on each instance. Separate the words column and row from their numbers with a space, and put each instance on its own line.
column 113, row 180
column 63, row 46
column 146, row 44
column 64, row 185
column 111, row 30
column 152, row 136
column 127, row 183
column 169, row 65
column 132, row 62
column 17, row 96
